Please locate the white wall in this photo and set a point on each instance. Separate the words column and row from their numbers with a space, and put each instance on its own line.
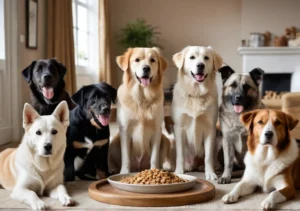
column 269, row 15
column 181, row 23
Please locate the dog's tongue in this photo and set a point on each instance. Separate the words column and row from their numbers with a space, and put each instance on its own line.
column 199, row 77
column 103, row 119
column 238, row 108
column 48, row 92
column 145, row 81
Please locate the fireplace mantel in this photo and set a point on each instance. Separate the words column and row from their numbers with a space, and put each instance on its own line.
column 271, row 59
column 268, row 50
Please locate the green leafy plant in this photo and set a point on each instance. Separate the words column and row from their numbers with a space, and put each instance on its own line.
column 138, row 33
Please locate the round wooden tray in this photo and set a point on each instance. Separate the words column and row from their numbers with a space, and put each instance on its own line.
column 102, row 191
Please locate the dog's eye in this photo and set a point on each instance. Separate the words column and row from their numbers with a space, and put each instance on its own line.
column 260, row 122
column 152, row 60
column 234, row 85
column 206, row 57
column 38, row 132
column 192, row 57
column 53, row 132
column 277, row 123
column 246, row 87
column 137, row 59
column 93, row 99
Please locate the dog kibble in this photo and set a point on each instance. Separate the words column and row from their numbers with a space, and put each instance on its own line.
column 153, row 177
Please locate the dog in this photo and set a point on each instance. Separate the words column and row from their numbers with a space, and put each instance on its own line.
column 139, row 111
column 88, row 133
column 195, row 108
column 35, row 168
column 273, row 159
column 45, row 78
column 240, row 94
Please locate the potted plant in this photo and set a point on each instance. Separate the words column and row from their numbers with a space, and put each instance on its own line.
column 138, row 33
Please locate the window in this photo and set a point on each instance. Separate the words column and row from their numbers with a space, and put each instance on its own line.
column 85, row 30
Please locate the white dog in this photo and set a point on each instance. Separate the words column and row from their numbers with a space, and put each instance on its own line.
column 195, row 108
column 36, row 167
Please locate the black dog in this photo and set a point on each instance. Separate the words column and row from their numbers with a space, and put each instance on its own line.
column 45, row 78
column 88, row 133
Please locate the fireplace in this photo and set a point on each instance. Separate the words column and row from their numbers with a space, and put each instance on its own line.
column 275, row 84
column 282, row 70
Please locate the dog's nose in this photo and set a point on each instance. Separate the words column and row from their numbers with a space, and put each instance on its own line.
column 47, row 77
column 238, row 97
column 200, row 66
column 269, row 134
column 105, row 109
column 48, row 147
column 146, row 69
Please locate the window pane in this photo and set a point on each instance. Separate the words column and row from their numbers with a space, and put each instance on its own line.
column 83, row 1
column 74, row 14
column 75, row 44
column 82, row 18
column 82, row 48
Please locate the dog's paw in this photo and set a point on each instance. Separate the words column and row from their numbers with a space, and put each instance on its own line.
column 39, row 205
column 210, row 176
column 66, row 200
column 224, row 180
column 124, row 171
column 179, row 171
column 267, row 204
column 229, row 198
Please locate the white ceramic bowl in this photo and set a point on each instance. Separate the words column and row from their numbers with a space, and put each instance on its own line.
column 163, row 188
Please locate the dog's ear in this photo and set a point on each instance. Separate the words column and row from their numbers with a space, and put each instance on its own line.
column 163, row 64
column 226, row 72
column 247, row 118
column 27, row 72
column 29, row 116
column 61, row 113
column 257, row 75
column 78, row 97
column 217, row 59
column 291, row 121
column 178, row 59
column 61, row 68
column 108, row 88
column 123, row 61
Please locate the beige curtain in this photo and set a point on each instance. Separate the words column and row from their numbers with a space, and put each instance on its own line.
column 60, row 41
column 106, row 72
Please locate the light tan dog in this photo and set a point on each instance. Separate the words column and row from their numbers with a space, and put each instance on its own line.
column 273, row 158
column 36, row 167
column 195, row 108
column 139, row 112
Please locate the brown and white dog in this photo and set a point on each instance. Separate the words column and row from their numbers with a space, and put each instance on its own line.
column 272, row 161
column 139, row 112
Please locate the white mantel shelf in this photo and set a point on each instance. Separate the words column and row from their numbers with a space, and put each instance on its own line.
column 268, row 50
column 271, row 59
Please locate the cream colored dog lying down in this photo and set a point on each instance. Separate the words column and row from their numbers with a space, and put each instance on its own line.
column 139, row 111
column 36, row 167
column 195, row 108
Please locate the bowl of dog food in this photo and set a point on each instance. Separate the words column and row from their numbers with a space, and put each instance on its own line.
column 152, row 181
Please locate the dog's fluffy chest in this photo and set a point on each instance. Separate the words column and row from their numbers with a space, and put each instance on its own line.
column 193, row 104
column 265, row 164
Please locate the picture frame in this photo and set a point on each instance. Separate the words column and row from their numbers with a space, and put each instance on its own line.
column 32, row 24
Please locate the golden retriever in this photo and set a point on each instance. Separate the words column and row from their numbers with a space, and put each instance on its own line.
column 140, row 113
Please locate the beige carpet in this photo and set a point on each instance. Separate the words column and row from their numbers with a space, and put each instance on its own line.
column 79, row 193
